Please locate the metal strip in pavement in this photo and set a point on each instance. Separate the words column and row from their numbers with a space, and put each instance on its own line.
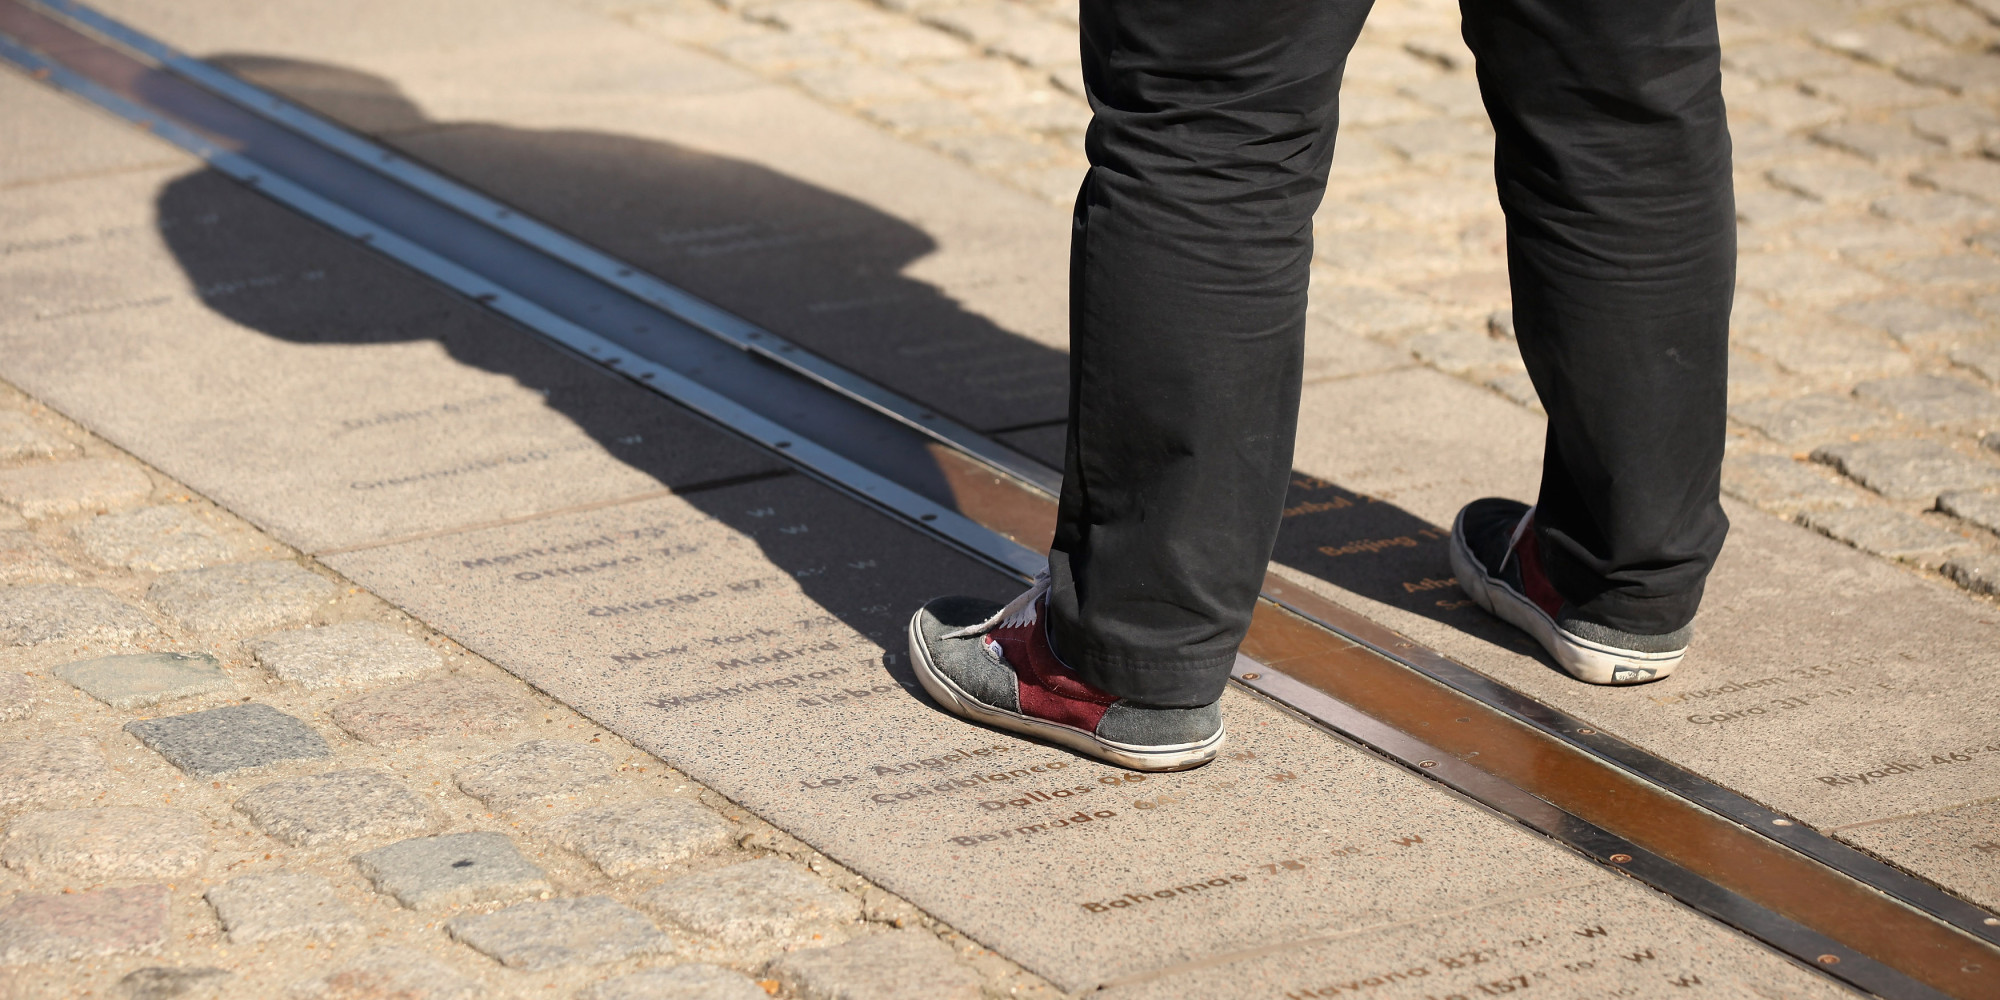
column 241, row 146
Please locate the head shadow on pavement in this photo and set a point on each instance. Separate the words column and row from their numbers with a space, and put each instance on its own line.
column 821, row 268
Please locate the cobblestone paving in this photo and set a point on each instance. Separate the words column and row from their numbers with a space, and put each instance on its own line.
column 1867, row 332
column 226, row 772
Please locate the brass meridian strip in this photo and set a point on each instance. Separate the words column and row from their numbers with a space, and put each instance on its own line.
column 1336, row 667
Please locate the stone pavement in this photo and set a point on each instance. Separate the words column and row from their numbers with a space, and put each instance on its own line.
column 481, row 484
column 296, row 790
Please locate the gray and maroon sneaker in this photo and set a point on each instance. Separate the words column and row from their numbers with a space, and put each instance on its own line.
column 1499, row 565
column 993, row 664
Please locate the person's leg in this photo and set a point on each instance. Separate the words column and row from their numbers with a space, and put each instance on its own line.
column 1613, row 163
column 1213, row 130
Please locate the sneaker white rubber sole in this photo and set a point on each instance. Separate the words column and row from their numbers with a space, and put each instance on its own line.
column 1591, row 662
column 1167, row 757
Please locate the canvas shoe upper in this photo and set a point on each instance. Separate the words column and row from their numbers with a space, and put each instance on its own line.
column 1498, row 560
column 993, row 663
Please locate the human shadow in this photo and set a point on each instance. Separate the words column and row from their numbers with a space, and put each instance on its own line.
column 825, row 270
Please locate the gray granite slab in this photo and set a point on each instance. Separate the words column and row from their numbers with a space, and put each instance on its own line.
column 229, row 739
column 766, row 662
column 420, row 411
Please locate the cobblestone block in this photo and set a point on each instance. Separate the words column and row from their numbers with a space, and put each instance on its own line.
column 343, row 806
column 57, row 489
column 1915, row 322
column 136, row 680
column 229, row 739
column 155, row 539
column 33, row 614
column 25, row 560
column 17, row 696
column 1972, row 178
column 1960, row 127
column 433, row 873
column 348, row 653
column 1889, row 533
column 427, row 708
column 1785, row 108
column 907, row 43
column 1981, row 356
column 1371, row 311
column 1935, row 208
column 917, row 116
column 1978, row 572
column 67, row 926
column 1867, row 91
column 1804, row 277
column 389, row 973
column 535, row 770
column 1982, row 509
column 1456, row 96
column 1782, row 61
column 993, row 150
column 1909, row 469
column 1953, row 404
column 1767, row 209
column 1884, row 44
column 98, row 845
column 256, row 908
column 1806, row 419
column 1827, row 350
column 974, row 77
column 1946, row 271
column 175, row 982
column 682, row 982
column 242, row 597
column 1436, row 139
column 50, row 769
column 758, row 906
column 1459, row 350
column 1974, row 75
column 849, row 83
column 1774, row 482
column 898, row 965
column 1832, row 182
column 543, row 934
column 1867, row 238
column 775, row 53
column 1751, row 378
column 1953, row 24
column 21, row 437
column 623, row 838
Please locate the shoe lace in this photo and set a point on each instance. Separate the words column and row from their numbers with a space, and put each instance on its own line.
column 1520, row 529
column 1022, row 610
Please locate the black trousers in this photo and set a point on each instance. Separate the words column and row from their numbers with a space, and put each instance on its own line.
column 1214, row 126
